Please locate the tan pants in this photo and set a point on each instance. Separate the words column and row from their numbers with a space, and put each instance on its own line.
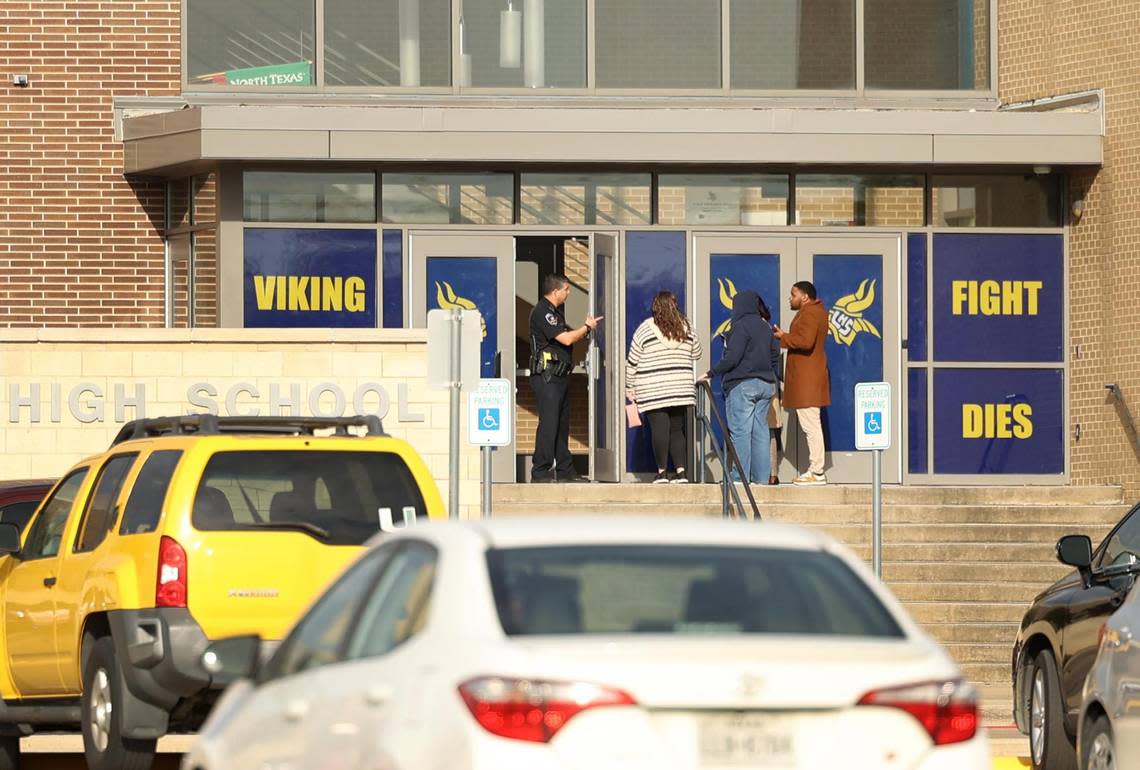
column 812, row 427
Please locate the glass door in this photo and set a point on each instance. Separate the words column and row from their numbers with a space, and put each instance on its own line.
column 605, row 359
column 857, row 279
column 473, row 271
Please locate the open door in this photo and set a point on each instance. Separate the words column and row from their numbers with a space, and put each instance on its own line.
column 606, row 402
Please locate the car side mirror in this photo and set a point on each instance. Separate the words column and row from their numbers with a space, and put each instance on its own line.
column 233, row 658
column 9, row 539
column 1076, row 551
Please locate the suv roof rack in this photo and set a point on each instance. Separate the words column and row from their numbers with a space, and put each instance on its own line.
column 212, row 425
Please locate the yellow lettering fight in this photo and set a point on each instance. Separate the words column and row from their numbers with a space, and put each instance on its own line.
column 997, row 421
column 995, row 297
column 311, row 293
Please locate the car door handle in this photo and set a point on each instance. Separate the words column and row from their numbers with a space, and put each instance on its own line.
column 378, row 695
column 49, row 581
column 296, row 710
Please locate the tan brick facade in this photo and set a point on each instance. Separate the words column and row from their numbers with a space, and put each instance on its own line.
column 1042, row 53
column 63, row 199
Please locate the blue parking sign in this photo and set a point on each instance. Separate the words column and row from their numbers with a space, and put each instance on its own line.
column 489, row 419
column 873, row 422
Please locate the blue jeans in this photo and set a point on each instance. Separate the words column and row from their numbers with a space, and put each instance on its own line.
column 747, row 406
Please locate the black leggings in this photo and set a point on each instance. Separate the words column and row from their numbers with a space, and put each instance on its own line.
column 667, row 429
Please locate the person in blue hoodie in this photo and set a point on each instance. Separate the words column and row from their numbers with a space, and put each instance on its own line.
column 748, row 370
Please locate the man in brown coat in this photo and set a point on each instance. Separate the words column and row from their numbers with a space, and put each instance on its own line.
column 807, row 385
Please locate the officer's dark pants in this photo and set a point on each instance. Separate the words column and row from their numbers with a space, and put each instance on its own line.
column 552, row 440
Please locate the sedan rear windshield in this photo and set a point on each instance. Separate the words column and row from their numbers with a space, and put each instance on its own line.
column 682, row 590
column 339, row 498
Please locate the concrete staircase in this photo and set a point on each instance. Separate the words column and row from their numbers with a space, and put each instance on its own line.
column 966, row 561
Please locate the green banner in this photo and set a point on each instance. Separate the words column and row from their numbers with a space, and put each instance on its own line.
column 294, row 74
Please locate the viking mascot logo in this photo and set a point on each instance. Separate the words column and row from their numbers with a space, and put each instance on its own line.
column 846, row 321
column 447, row 299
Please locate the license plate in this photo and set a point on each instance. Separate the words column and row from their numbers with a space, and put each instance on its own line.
column 747, row 740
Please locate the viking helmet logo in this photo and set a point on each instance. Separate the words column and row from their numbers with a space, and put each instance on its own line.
column 727, row 292
column 846, row 321
column 447, row 299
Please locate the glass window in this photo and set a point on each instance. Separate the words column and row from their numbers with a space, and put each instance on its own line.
column 397, row 608
column 47, row 530
column 1123, row 545
column 713, row 199
column 585, row 199
column 338, row 498
column 309, row 196
column 658, row 43
column 101, row 512
column 267, row 43
column 318, row 638
column 1012, row 200
column 388, row 43
column 467, row 199
column 894, row 200
column 18, row 514
column 525, row 43
column 786, row 44
column 927, row 44
column 144, row 506
column 682, row 590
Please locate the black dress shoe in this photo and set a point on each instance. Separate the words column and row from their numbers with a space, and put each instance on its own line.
column 545, row 479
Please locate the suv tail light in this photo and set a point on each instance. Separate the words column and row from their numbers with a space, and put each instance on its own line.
column 170, row 587
column 948, row 711
column 531, row 709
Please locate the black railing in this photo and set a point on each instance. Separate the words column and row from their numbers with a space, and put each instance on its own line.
column 707, row 411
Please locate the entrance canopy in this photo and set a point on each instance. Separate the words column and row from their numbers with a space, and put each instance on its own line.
column 168, row 137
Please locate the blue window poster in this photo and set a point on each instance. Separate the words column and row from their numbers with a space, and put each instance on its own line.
column 851, row 287
column 999, row 421
column 998, row 297
column 468, row 283
column 299, row 277
column 728, row 275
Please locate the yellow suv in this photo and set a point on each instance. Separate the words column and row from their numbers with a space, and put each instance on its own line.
column 186, row 530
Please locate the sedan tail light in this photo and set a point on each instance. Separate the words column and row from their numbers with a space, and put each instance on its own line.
column 948, row 711
column 532, row 709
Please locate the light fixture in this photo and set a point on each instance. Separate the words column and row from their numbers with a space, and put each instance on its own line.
column 1042, row 170
column 409, row 43
column 20, row 81
column 1078, row 209
column 510, row 37
column 534, row 42
column 464, row 58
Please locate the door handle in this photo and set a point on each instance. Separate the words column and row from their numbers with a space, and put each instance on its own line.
column 296, row 710
column 49, row 581
column 378, row 695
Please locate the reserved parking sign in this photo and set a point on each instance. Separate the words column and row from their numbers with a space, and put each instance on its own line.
column 872, row 415
column 489, row 415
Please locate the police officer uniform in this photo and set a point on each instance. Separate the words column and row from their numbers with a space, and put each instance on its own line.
column 550, row 366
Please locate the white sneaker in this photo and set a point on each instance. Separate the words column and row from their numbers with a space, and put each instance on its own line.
column 810, row 479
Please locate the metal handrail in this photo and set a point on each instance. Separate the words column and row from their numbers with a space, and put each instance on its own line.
column 1126, row 413
column 706, row 405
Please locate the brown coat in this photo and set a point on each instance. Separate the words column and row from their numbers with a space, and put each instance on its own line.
column 807, row 382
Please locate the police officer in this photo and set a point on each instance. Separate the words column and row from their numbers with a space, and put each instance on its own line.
column 550, row 365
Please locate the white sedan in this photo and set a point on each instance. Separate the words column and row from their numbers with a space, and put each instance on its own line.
column 1108, row 732
column 591, row 644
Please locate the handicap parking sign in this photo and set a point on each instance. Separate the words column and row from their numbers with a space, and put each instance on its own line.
column 873, row 422
column 489, row 419
column 489, row 413
column 872, row 415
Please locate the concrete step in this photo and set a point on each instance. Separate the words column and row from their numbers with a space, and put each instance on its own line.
column 987, row 673
column 973, row 572
column 961, row 534
column 966, row 653
column 926, row 612
column 979, row 633
column 831, row 494
column 1020, row 593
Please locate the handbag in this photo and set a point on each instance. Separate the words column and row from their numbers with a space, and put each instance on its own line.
column 632, row 415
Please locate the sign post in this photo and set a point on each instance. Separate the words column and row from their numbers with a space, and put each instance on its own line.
column 453, row 361
column 489, row 418
column 873, row 433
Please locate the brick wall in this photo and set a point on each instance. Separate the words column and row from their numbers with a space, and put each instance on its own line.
column 79, row 244
column 1094, row 44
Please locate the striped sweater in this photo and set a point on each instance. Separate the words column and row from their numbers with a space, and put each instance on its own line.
column 659, row 371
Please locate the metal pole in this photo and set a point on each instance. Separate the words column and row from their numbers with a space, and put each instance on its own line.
column 456, row 386
column 702, row 411
column 486, row 482
column 877, row 512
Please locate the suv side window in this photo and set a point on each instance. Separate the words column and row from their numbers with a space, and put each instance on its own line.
column 1124, row 544
column 47, row 530
column 318, row 639
column 397, row 608
column 144, row 506
column 101, row 511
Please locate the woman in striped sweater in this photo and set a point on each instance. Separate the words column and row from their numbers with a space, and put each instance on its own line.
column 659, row 379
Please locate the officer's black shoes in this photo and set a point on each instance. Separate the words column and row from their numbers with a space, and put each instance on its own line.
column 546, row 478
column 572, row 478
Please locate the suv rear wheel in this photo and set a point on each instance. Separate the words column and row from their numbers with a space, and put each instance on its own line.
column 103, row 692
column 1050, row 748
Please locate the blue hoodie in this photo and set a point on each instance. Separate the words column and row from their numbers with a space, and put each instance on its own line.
column 751, row 351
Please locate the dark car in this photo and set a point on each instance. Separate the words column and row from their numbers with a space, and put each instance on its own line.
column 19, row 500
column 1059, row 637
